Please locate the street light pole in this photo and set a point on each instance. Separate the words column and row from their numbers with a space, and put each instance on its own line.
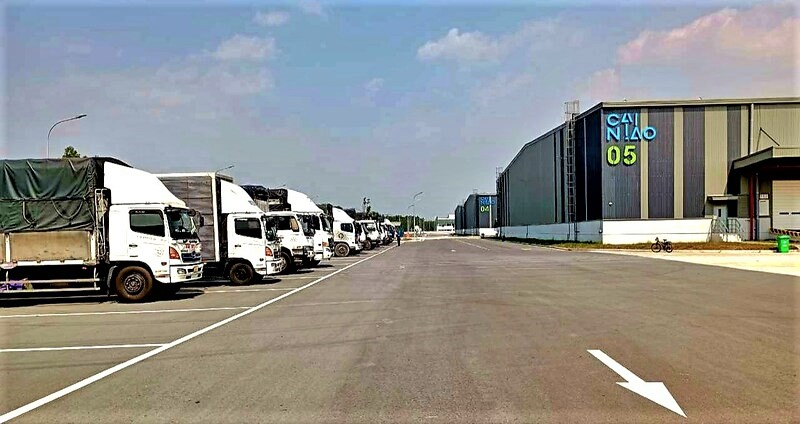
column 225, row 168
column 414, row 205
column 54, row 125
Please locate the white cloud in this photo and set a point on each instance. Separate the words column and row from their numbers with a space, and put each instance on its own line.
column 373, row 86
column 764, row 33
column 478, row 47
column 270, row 19
column 726, row 53
column 312, row 7
column 242, row 47
column 463, row 47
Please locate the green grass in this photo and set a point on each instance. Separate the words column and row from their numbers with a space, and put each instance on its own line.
column 747, row 245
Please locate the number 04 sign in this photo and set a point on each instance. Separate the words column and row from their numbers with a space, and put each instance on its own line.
column 624, row 128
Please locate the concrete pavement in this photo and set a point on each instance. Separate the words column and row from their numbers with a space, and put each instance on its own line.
column 436, row 331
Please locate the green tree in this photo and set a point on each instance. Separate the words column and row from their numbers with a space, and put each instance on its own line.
column 70, row 152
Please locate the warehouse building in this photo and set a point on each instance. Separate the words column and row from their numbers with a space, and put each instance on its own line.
column 477, row 215
column 627, row 172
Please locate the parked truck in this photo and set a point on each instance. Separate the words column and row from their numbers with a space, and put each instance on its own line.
column 297, row 243
column 93, row 224
column 314, row 218
column 374, row 238
column 238, row 242
column 346, row 233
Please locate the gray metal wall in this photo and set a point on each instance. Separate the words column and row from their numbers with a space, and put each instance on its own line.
column 459, row 224
column 531, row 184
column 693, row 161
column 471, row 212
column 661, row 164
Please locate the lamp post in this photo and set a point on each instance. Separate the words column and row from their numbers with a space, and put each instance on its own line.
column 54, row 125
column 225, row 168
column 414, row 206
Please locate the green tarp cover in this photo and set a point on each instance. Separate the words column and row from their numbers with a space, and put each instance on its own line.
column 48, row 194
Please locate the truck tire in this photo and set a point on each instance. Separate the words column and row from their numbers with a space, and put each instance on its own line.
column 133, row 284
column 241, row 273
column 368, row 245
column 288, row 263
column 341, row 249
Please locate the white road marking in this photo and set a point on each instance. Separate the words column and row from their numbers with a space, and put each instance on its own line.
column 473, row 245
column 655, row 391
column 346, row 302
column 119, row 367
column 50, row 349
column 248, row 290
column 153, row 311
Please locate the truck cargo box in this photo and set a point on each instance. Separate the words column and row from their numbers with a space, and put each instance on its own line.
column 49, row 194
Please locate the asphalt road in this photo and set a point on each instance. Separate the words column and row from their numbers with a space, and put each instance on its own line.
column 458, row 330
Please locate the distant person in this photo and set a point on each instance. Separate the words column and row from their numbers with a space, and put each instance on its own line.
column 399, row 235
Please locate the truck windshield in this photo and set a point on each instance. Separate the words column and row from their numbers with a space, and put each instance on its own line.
column 286, row 223
column 326, row 224
column 371, row 227
column 181, row 225
column 270, row 227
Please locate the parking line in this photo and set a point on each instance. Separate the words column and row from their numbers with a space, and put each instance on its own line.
column 473, row 245
column 248, row 290
column 148, row 311
column 119, row 367
column 51, row 349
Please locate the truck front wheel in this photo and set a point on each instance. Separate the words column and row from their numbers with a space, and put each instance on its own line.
column 368, row 244
column 133, row 284
column 241, row 274
column 342, row 249
column 287, row 263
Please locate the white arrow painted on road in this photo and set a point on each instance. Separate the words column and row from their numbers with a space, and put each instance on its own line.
column 655, row 391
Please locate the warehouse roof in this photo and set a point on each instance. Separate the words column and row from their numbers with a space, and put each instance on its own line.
column 692, row 102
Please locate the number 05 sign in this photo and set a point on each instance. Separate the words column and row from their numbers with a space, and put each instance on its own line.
column 622, row 129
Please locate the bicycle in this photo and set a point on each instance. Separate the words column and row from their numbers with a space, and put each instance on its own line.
column 661, row 244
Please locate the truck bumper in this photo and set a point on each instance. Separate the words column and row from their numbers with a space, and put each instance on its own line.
column 183, row 273
column 272, row 267
column 318, row 256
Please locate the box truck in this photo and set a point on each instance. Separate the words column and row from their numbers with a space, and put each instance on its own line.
column 346, row 233
column 238, row 242
column 93, row 224
column 314, row 218
column 297, row 243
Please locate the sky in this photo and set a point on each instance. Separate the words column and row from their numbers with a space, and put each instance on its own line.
column 344, row 100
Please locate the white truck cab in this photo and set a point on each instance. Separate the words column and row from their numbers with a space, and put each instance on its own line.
column 296, row 247
column 373, row 235
column 314, row 218
column 346, row 233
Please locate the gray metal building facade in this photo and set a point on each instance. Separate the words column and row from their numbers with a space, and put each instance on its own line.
column 478, row 211
column 662, row 160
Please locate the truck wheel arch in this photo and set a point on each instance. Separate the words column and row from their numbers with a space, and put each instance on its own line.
column 115, row 269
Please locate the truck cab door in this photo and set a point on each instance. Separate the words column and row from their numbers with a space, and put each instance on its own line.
column 148, row 241
column 246, row 239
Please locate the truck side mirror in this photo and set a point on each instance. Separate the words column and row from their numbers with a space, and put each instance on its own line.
column 202, row 221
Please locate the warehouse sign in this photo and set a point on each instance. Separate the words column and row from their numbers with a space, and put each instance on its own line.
column 486, row 203
column 625, row 128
